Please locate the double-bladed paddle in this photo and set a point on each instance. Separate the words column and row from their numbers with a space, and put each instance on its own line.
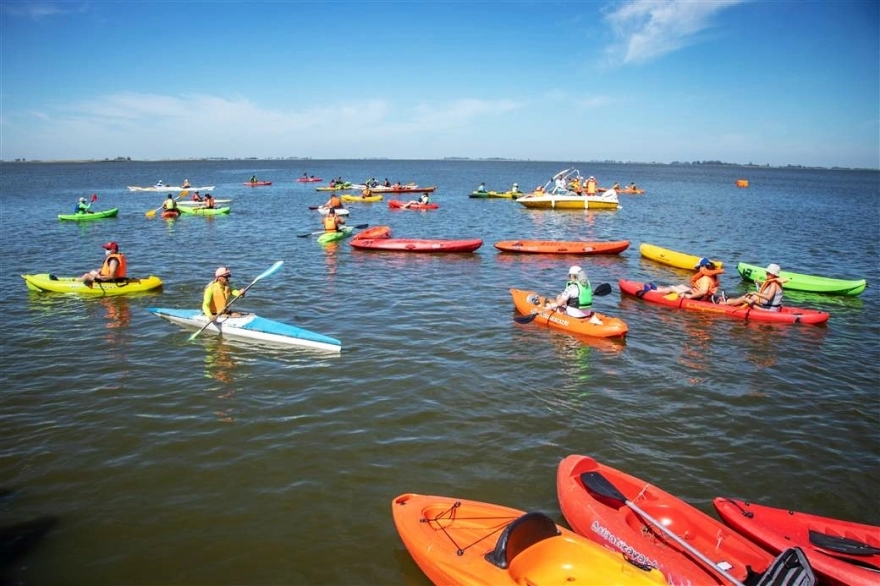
column 152, row 213
column 358, row 227
column 271, row 270
column 599, row 291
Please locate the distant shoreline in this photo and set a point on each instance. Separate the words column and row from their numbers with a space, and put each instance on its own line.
column 463, row 159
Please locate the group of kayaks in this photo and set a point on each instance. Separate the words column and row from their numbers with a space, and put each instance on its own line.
column 624, row 530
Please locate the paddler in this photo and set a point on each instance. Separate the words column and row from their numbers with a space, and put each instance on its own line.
column 335, row 202
column 332, row 222
column 577, row 297
column 218, row 293
column 769, row 294
column 170, row 205
column 82, row 207
column 114, row 266
column 704, row 284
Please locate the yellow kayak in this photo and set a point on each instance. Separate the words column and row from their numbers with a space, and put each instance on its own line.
column 672, row 258
column 361, row 198
column 46, row 282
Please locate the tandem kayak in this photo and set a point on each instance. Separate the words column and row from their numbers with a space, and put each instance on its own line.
column 680, row 260
column 257, row 183
column 800, row 282
column 786, row 314
column 417, row 244
column 170, row 188
column 111, row 213
column 337, row 187
column 496, row 194
column 562, row 246
column 842, row 552
column 46, row 282
column 189, row 202
column 362, row 198
column 186, row 210
column 249, row 327
column 328, row 237
column 529, row 302
column 582, row 487
column 396, row 204
column 458, row 541
column 309, row 180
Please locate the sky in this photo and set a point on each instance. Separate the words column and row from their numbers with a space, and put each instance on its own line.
column 746, row 82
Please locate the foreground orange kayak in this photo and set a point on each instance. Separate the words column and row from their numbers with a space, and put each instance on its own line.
column 530, row 303
column 457, row 541
column 562, row 246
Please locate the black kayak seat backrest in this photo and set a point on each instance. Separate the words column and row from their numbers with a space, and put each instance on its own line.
column 790, row 568
column 519, row 535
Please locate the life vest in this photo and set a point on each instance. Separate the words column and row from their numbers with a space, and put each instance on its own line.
column 367, row 192
column 80, row 208
column 170, row 204
column 584, row 298
column 120, row 270
column 776, row 302
column 711, row 274
column 335, row 202
column 591, row 187
column 331, row 223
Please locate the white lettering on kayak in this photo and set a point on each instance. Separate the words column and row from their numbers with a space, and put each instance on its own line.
column 622, row 546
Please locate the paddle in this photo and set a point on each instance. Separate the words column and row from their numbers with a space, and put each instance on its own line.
column 599, row 291
column 262, row 275
column 152, row 213
column 598, row 484
column 841, row 544
column 358, row 227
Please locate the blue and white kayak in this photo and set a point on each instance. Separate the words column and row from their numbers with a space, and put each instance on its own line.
column 250, row 327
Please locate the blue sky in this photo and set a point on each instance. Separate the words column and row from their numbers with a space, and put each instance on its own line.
column 778, row 83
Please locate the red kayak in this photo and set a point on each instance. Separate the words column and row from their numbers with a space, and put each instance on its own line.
column 374, row 232
column 586, row 490
column 257, row 183
column 562, row 246
column 170, row 214
column 841, row 552
column 309, row 180
column 402, row 205
column 786, row 315
column 417, row 244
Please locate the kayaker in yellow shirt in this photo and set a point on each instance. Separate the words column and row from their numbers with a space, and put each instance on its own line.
column 218, row 293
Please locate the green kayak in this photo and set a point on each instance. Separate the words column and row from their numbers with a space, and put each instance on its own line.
column 111, row 213
column 203, row 211
column 810, row 283
column 328, row 237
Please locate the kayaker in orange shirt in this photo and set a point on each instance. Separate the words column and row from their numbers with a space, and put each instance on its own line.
column 114, row 266
column 335, row 202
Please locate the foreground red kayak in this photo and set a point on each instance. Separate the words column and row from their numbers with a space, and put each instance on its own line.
column 458, row 541
column 841, row 552
column 562, row 246
column 417, row 244
column 596, row 501
column 396, row 204
column 786, row 315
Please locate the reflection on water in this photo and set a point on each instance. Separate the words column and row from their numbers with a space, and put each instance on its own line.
column 220, row 365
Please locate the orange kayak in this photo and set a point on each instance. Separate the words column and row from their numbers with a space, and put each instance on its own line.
column 529, row 302
column 374, row 232
column 562, row 246
column 457, row 541
column 615, row 525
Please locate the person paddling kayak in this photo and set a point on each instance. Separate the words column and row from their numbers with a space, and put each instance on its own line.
column 218, row 293
column 577, row 297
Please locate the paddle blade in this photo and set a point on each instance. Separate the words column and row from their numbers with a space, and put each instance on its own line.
column 603, row 289
column 598, row 484
column 274, row 268
column 151, row 213
column 94, row 197
column 841, row 544
column 525, row 319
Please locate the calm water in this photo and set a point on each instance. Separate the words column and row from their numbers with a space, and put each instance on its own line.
column 168, row 462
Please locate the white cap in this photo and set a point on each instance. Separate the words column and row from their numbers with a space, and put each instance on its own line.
column 773, row 269
column 574, row 270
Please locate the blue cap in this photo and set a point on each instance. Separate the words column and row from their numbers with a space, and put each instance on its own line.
column 704, row 262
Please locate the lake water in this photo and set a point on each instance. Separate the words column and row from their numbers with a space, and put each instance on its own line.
column 211, row 462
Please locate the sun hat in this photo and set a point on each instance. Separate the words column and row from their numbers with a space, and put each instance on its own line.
column 222, row 272
column 704, row 262
column 574, row 270
column 111, row 246
column 773, row 269
column 82, row 200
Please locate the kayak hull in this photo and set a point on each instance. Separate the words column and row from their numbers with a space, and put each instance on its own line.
column 617, row 527
column 529, row 302
column 328, row 237
column 362, row 198
column 170, row 188
column 417, row 244
column 111, row 213
column 786, row 315
column 778, row 529
column 45, row 282
column 801, row 282
column 403, row 189
column 191, row 211
column 339, row 211
column 672, row 258
column 257, row 183
column 458, row 541
column 309, row 180
column 562, row 247
column 189, row 202
column 250, row 327
column 375, row 232
column 396, row 204
column 496, row 194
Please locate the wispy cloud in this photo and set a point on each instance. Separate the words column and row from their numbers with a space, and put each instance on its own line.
column 38, row 10
column 649, row 29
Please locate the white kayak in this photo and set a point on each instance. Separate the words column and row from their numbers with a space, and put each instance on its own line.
column 189, row 202
column 339, row 211
column 170, row 188
column 249, row 327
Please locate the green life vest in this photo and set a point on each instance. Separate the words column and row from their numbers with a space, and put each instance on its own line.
column 585, row 295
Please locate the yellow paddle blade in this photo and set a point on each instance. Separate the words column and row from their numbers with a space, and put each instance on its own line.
column 150, row 213
column 671, row 296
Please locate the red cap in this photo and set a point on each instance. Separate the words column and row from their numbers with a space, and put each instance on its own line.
column 111, row 246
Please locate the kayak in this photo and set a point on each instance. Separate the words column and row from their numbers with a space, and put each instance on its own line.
column 111, row 213
column 799, row 282
column 624, row 190
column 544, row 201
column 786, row 315
column 458, row 541
column 328, row 237
column 46, row 282
column 170, row 214
column 204, row 211
column 842, row 552
column 403, row 189
column 309, row 180
column 375, row 232
column 496, row 194
column 189, row 202
column 342, row 187
column 257, row 183
column 396, row 204
column 362, row 198
column 417, row 244
column 529, row 302
column 680, row 260
column 249, row 327
column 339, row 211
column 562, row 246
column 610, row 522
column 170, row 188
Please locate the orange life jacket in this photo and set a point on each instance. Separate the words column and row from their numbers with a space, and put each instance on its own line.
column 120, row 270
column 710, row 273
column 335, row 202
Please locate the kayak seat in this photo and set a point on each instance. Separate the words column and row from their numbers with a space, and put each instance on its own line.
column 790, row 568
column 52, row 277
column 521, row 534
